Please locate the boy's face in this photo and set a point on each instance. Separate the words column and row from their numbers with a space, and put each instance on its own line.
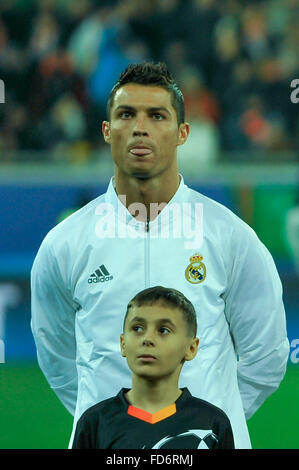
column 155, row 341
column 143, row 130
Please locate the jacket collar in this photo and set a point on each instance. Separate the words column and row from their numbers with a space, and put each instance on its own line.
column 181, row 195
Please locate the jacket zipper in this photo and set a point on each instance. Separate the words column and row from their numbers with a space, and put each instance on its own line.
column 147, row 254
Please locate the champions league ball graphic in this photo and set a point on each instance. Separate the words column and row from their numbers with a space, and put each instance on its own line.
column 192, row 439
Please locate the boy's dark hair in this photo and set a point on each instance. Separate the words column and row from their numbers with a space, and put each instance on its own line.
column 155, row 74
column 169, row 296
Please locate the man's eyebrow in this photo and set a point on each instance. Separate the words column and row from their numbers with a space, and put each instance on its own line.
column 152, row 109
column 159, row 108
column 125, row 106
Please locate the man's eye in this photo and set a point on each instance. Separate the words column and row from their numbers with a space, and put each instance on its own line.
column 158, row 116
column 125, row 114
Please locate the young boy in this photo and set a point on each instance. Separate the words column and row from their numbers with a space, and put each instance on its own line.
column 159, row 335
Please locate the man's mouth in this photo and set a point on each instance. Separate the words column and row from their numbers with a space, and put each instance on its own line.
column 140, row 151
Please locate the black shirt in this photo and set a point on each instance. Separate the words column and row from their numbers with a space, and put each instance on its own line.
column 189, row 423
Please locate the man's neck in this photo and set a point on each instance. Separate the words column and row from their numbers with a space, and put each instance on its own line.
column 152, row 396
column 152, row 193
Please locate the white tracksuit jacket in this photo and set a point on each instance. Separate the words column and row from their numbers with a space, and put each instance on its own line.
column 90, row 265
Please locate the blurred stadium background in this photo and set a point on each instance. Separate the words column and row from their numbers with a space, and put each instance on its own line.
column 234, row 61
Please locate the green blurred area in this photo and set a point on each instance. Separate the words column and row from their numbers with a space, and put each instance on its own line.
column 270, row 206
column 31, row 416
column 275, row 424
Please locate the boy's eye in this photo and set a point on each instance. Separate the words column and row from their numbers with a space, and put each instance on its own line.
column 137, row 328
column 164, row 330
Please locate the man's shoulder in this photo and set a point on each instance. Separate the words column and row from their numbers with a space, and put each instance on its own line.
column 211, row 204
column 77, row 220
column 68, row 235
column 79, row 215
column 215, row 211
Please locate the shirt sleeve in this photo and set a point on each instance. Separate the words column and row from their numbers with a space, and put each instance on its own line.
column 256, row 317
column 83, row 435
column 53, row 326
column 226, row 438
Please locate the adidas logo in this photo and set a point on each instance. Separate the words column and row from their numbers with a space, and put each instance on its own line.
column 100, row 275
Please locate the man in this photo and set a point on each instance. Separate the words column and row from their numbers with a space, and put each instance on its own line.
column 139, row 234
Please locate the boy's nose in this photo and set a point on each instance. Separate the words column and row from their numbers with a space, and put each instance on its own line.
column 148, row 342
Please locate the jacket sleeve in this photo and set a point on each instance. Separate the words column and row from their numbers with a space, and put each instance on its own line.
column 256, row 317
column 53, row 326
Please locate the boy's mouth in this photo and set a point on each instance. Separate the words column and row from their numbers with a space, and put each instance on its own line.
column 147, row 357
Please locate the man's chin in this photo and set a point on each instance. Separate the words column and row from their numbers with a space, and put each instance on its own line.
column 141, row 175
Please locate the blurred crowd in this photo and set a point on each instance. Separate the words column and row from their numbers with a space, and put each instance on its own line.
column 234, row 61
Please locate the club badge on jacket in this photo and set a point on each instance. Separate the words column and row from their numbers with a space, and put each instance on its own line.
column 196, row 270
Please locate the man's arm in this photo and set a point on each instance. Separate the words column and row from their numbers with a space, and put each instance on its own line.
column 256, row 317
column 53, row 326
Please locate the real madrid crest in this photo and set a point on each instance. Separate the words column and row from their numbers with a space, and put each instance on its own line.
column 196, row 270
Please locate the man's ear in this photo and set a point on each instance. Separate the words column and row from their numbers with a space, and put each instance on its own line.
column 183, row 133
column 122, row 345
column 106, row 131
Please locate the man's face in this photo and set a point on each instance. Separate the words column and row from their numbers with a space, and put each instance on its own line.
column 143, row 130
column 155, row 341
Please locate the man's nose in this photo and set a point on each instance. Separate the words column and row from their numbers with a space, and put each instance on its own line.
column 140, row 127
column 137, row 133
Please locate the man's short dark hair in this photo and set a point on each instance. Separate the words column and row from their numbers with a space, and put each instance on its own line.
column 152, row 74
column 171, row 297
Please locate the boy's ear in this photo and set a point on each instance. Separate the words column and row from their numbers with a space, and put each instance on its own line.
column 122, row 345
column 192, row 350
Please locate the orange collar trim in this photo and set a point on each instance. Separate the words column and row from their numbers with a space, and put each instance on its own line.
column 152, row 418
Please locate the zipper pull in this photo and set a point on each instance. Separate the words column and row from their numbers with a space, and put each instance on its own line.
column 147, row 225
